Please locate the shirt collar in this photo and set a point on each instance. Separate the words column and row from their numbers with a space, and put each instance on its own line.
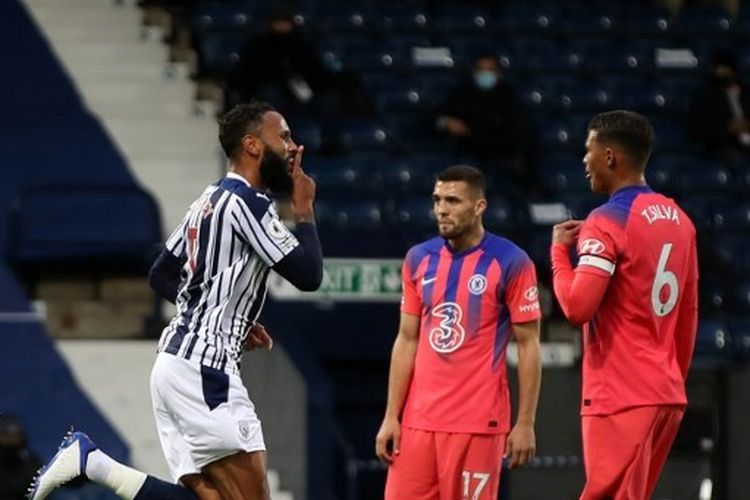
column 236, row 176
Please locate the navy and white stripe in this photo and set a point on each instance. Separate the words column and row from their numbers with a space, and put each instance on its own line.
column 228, row 242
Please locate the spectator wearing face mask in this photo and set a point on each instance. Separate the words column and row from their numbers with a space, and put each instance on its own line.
column 720, row 112
column 18, row 464
column 484, row 117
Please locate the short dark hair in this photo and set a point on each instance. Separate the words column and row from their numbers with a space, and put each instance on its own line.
column 241, row 120
column 628, row 129
column 472, row 176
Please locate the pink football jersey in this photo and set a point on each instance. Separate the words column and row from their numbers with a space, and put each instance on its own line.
column 639, row 343
column 467, row 302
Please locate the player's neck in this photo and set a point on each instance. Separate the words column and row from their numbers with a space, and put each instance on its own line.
column 468, row 240
column 251, row 175
column 635, row 180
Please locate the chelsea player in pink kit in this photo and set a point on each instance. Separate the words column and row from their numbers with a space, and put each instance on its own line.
column 447, row 424
column 635, row 293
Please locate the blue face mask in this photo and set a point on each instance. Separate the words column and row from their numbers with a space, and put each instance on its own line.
column 485, row 79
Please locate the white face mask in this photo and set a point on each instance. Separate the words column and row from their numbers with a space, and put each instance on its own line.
column 485, row 79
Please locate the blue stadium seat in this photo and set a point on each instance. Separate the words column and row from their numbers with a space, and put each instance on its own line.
column 341, row 177
column 713, row 342
column 659, row 173
column 366, row 56
column 365, row 135
column 401, row 18
column 59, row 223
column 742, row 297
column 500, row 216
column 529, row 19
column 307, row 132
column 740, row 328
column 344, row 18
column 730, row 252
column 703, row 177
column 568, row 132
column 412, row 175
column 712, row 294
column 743, row 178
column 345, row 224
column 705, row 20
column 731, row 216
column 218, row 52
column 413, row 132
column 641, row 19
column 218, row 17
column 398, row 94
column 699, row 208
column 565, row 178
column 669, row 133
column 457, row 18
column 591, row 21
column 416, row 212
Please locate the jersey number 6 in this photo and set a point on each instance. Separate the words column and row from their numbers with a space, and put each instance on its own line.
column 661, row 279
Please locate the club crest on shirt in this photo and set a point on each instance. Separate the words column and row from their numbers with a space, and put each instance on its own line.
column 277, row 230
column 590, row 246
column 450, row 334
column 243, row 426
column 477, row 284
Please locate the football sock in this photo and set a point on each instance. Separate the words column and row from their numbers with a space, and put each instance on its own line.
column 123, row 480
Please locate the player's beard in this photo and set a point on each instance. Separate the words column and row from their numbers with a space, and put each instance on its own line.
column 274, row 170
column 451, row 232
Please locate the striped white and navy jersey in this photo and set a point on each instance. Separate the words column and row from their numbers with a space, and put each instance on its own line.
column 228, row 242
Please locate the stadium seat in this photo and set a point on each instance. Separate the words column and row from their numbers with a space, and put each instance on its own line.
column 590, row 21
column 218, row 52
column 642, row 19
column 366, row 56
column 705, row 20
column 731, row 216
column 730, row 252
column 669, row 133
column 740, row 328
column 500, row 216
column 364, row 135
column 712, row 294
column 341, row 177
column 703, row 177
column 218, row 17
column 401, row 18
column 713, row 342
column 457, row 18
column 529, row 19
column 343, row 18
column 700, row 209
column 65, row 223
column 399, row 95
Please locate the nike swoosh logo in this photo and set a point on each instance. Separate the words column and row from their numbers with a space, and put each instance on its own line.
column 426, row 281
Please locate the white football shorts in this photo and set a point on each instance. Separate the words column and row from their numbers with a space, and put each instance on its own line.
column 202, row 414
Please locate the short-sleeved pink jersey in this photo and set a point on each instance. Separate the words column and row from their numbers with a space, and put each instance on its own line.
column 633, row 344
column 467, row 302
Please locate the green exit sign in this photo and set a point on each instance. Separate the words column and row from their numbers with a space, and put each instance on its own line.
column 364, row 280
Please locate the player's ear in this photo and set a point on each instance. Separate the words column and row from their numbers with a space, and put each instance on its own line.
column 610, row 158
column 251, row 145
column 480, row 207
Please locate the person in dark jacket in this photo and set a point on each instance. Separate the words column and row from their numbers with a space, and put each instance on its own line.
column 720, row 112
column 485, row 117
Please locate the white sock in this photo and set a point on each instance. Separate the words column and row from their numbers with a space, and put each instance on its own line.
column 123, row 480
